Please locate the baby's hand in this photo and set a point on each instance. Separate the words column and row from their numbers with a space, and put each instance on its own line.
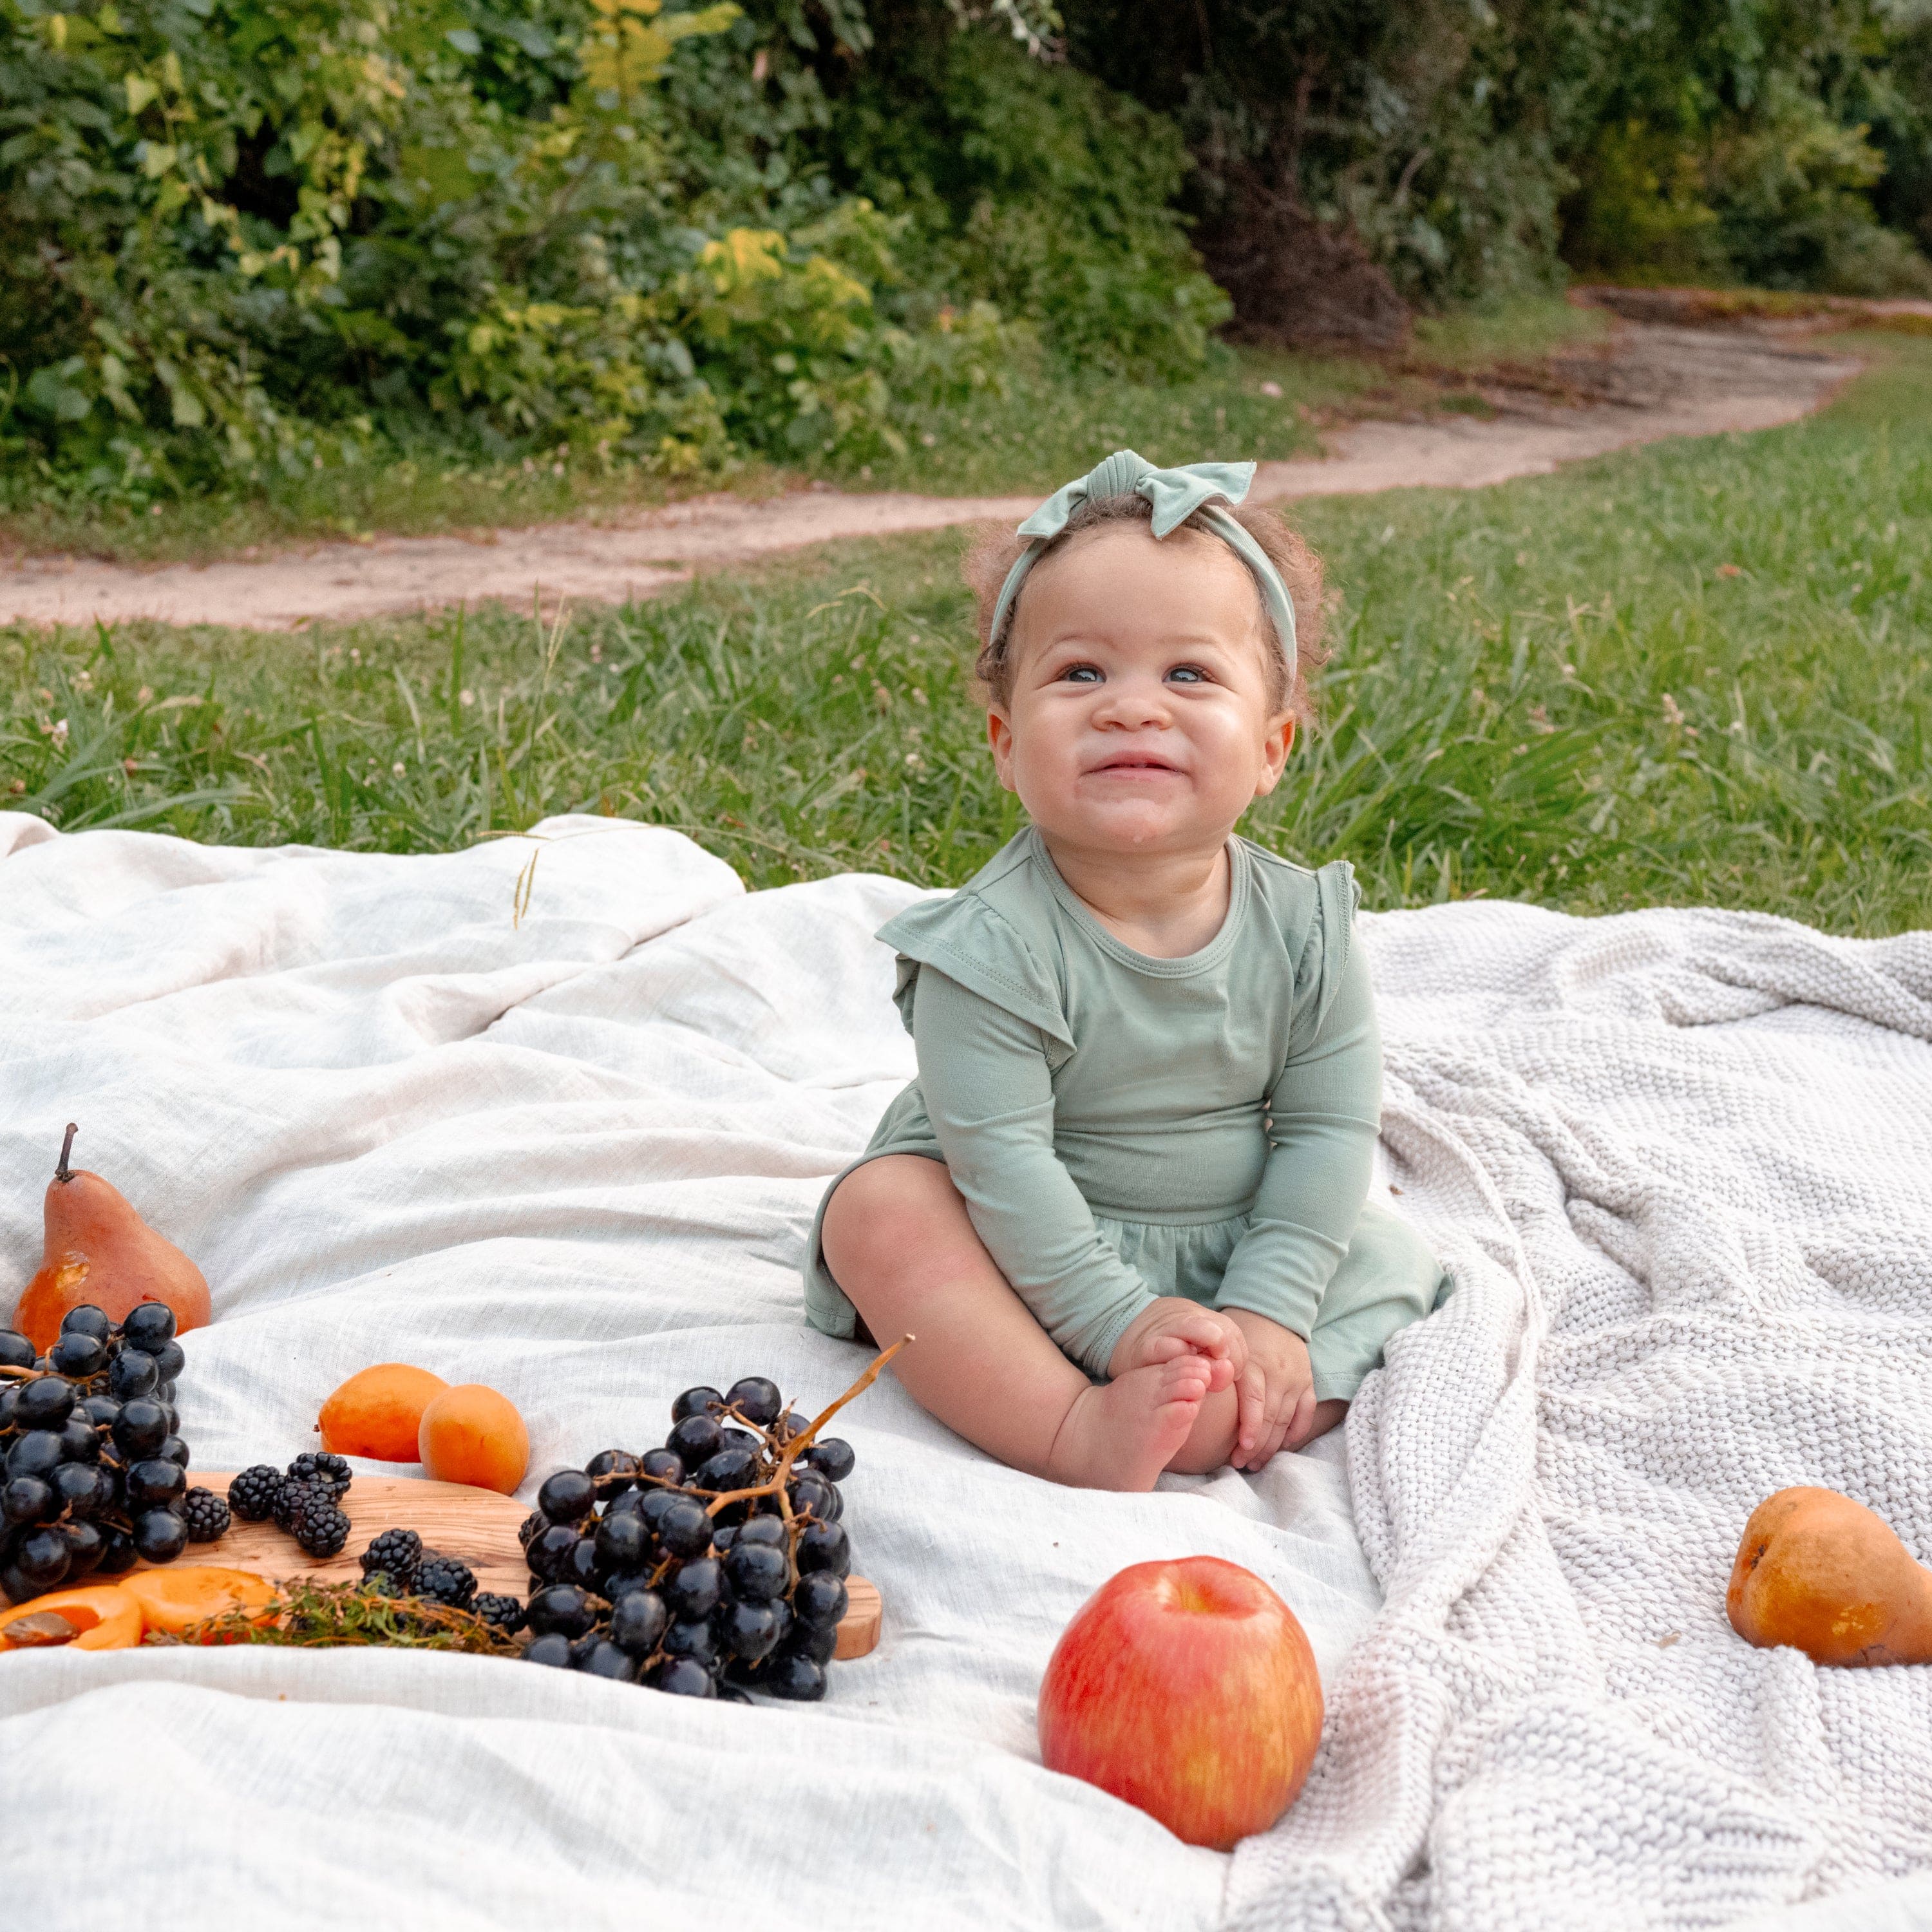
column 1173, row 1326
column 1276, row 1390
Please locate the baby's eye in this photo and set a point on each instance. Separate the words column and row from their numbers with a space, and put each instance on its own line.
column 1084, row 673
column 1187, row 674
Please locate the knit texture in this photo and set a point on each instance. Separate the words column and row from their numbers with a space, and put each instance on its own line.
column 1680, row 1164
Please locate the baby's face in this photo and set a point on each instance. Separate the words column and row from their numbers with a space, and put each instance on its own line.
column 1139, row 719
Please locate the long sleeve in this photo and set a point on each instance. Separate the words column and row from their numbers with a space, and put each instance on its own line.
column 988, row 1094
column 1326, row 1108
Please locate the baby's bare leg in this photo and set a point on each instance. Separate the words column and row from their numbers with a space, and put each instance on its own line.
column 899, row 1241
column 1211, row 1440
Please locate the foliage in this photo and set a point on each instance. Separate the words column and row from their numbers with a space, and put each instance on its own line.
column 243, row 242
column 1696, row 673
column 240, row 237
column 1033, row 187
column 1459, row 140
column 1781, row 201
column 1901, row 123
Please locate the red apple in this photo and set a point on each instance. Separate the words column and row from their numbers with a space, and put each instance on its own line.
column 1187, row 1688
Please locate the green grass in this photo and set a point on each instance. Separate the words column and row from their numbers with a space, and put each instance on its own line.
column 1520, row 330
column 1700, row 672
column 1043, row 430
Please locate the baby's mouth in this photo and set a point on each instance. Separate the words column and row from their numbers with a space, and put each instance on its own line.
column 1133, row 765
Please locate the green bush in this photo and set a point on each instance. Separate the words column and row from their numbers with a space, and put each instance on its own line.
column 1780, row 200
column 1793, row 192
column 1035, row 187
column 234, row 235
column 1463, row 143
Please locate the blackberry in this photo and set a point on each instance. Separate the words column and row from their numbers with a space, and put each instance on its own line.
column 252, row 1494
column 292, row 1498
column 400, row 1552
column 319, row 1467
column 447, row 1581
column 502, row 1613
column 206, row 1516
column 318, row 1526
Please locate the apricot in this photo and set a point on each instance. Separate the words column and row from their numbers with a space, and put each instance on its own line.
column 170, row 1599
column 106, row 1615
column 1825, row 1575
column 471, row 1434
column 378, row 1412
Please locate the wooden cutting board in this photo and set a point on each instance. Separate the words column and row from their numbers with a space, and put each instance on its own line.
column 477, row 1526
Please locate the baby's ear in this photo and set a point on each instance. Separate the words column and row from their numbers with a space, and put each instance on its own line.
column 1276, row 745
column 1000, row 736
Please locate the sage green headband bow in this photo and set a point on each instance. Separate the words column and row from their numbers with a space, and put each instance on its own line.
column 1175, row 494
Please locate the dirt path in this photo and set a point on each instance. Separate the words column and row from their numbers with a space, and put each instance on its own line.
column 1648, row 383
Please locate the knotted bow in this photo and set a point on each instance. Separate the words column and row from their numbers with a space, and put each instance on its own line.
column 1176, row 495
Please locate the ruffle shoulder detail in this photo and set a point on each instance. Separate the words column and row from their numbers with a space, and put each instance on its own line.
column 1316, row 913
column 985, row 947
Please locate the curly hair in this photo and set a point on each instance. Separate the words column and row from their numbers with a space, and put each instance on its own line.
column 997, row 550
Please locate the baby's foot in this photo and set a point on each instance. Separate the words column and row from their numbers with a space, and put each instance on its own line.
column 1120, row 1434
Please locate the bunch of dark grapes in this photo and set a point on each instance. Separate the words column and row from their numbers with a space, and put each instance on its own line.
column 713, row 1566
column 95, row 1471
column 305, row 1499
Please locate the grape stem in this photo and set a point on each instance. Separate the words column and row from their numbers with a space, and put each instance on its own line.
column 803, row 1441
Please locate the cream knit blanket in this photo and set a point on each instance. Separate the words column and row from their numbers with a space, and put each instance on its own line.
column 1680, row 1163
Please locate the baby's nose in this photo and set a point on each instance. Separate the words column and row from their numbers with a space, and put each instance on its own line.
column 1130, row 706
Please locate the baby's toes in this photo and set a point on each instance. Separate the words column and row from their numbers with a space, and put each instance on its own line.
column 1186, row 1379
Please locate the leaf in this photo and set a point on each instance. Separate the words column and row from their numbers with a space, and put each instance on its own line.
column 46, row 392
column 444, row 172
column 529, row 36
column 157, row 157
column 623, row 55
column 140, row 92
column 717, row 19
column 189, row 413
column 465, row 40
column 624, row 59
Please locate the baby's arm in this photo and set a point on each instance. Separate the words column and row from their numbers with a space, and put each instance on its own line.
column 989, row 1095
column 1326, row 1109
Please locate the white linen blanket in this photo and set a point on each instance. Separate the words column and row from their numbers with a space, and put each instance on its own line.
column 1677, row 1162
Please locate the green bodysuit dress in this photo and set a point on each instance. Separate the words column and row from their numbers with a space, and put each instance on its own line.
column 1123, row 1127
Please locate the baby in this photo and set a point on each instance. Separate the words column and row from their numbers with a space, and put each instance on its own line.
column 1124, row 1205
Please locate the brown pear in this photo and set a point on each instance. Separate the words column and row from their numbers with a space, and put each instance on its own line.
column 99, row 1250
column 1825, row 1575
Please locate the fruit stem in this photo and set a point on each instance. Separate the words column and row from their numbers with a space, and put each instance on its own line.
column 803, row 1441
column 61, row 1173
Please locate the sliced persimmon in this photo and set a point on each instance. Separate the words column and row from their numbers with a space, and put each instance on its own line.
column 171, row 1599
column 107, row 1616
